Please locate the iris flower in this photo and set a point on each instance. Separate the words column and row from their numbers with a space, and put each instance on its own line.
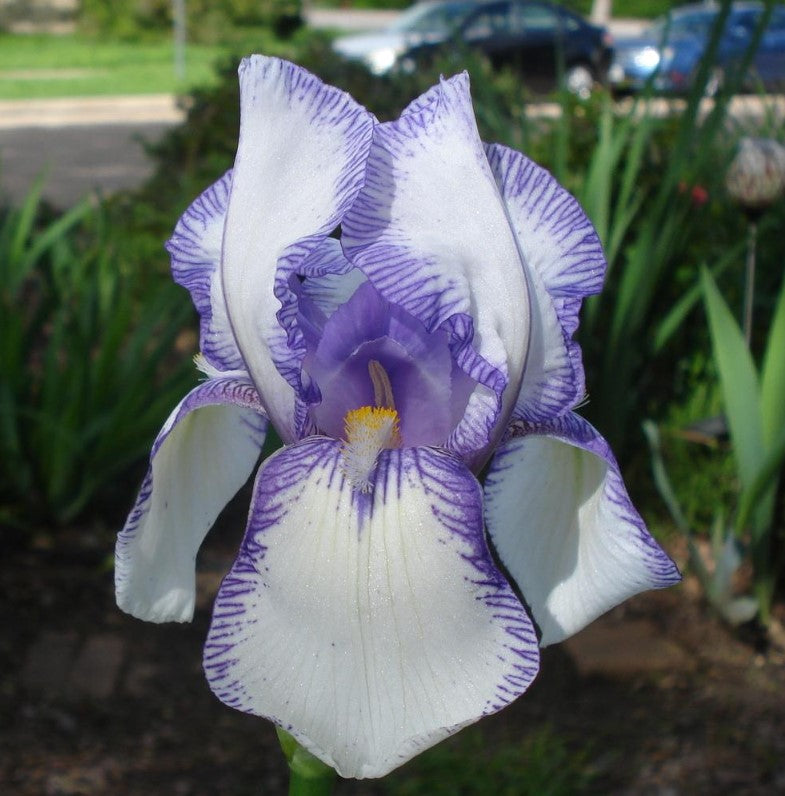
column 398, row 301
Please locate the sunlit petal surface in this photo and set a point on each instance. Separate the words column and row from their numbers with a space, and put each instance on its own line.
column 564, row 262
column 368, row 626
column 431, row 233
column 300, row 163
column 205, row 452
column 563, row 525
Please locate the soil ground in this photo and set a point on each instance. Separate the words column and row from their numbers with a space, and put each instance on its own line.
column 665, row 698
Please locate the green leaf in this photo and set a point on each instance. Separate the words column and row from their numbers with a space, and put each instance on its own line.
column 661, row 479
column 739, row 381
column 772, row 398
column 764, row 480
column 678, row 313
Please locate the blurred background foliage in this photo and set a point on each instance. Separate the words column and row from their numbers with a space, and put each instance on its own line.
column 206, row 20
column 100, row 353
column 89, row 350
column 134, row 18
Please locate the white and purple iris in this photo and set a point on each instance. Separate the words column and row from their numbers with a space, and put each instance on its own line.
column 399, row 301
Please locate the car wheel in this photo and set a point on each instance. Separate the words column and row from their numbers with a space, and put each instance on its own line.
column 579, row 80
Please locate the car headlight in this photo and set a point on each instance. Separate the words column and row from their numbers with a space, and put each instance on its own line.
column 647, row 58
column 382, row 60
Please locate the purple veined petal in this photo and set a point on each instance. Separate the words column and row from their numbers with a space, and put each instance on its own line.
column 563, row 525
column 300, row 162
column 330, row 280
column 204, row 453
column 553, row 379
column 330, row 291
column 195, row 249
column 326, row 259
column 430, row 231
column 324, row 280
column 554, row 234
column 369, row 626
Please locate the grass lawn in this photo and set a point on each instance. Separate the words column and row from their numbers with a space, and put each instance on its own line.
column 37, row 66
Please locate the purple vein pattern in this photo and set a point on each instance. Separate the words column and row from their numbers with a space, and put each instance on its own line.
column 574, row 430
column 426, row 503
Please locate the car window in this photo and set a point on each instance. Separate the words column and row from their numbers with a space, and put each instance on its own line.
column 427, row 18
column 491, row 20
column 537, row 18
column 696, row 24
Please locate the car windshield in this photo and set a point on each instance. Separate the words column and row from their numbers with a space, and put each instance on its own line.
column 427, row 18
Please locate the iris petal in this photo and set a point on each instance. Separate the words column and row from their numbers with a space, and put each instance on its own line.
column 205, row 452
column 368, row 626
column 555, row 235
column 430, row 231
column 553, row 381
column 289, row 191
column 565, row 263
column 195, row 248
column 564, row 527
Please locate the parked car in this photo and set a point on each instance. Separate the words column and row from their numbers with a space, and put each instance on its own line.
column 669, row 52
column 529, row 35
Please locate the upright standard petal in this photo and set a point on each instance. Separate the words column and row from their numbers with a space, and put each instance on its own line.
column 430, row 231
column 555, row 235
column 369, row 626
column 563, row 525
column 204, row 453
column 300, row 163
column 195, row 248
column 565, row 263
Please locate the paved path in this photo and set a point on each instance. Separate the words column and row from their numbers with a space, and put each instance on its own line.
column 65, row 112
column 80, row 145
column 75, row 160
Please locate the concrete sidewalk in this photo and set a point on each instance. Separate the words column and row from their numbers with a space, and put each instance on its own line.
column 80, row 111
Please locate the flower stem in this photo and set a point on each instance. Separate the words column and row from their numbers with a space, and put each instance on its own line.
column 749, row 280
column 308, row 776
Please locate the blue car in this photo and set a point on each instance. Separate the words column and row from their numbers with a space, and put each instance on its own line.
column 669, row 52
column 530, row 36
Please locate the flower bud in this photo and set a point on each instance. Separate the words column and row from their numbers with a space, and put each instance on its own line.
column 756, row 176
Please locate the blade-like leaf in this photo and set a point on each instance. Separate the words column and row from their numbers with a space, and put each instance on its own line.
column 739, row 382
column 678, row 313
column 764, row 480
column 772, row 398
column 661, row 479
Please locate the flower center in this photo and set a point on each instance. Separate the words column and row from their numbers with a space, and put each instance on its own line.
column 372, row 353
column 370, row 429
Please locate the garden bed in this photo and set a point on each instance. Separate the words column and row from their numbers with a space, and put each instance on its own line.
column 657, row 697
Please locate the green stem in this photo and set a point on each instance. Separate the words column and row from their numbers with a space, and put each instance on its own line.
column 749, row 281
column 308, row 776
